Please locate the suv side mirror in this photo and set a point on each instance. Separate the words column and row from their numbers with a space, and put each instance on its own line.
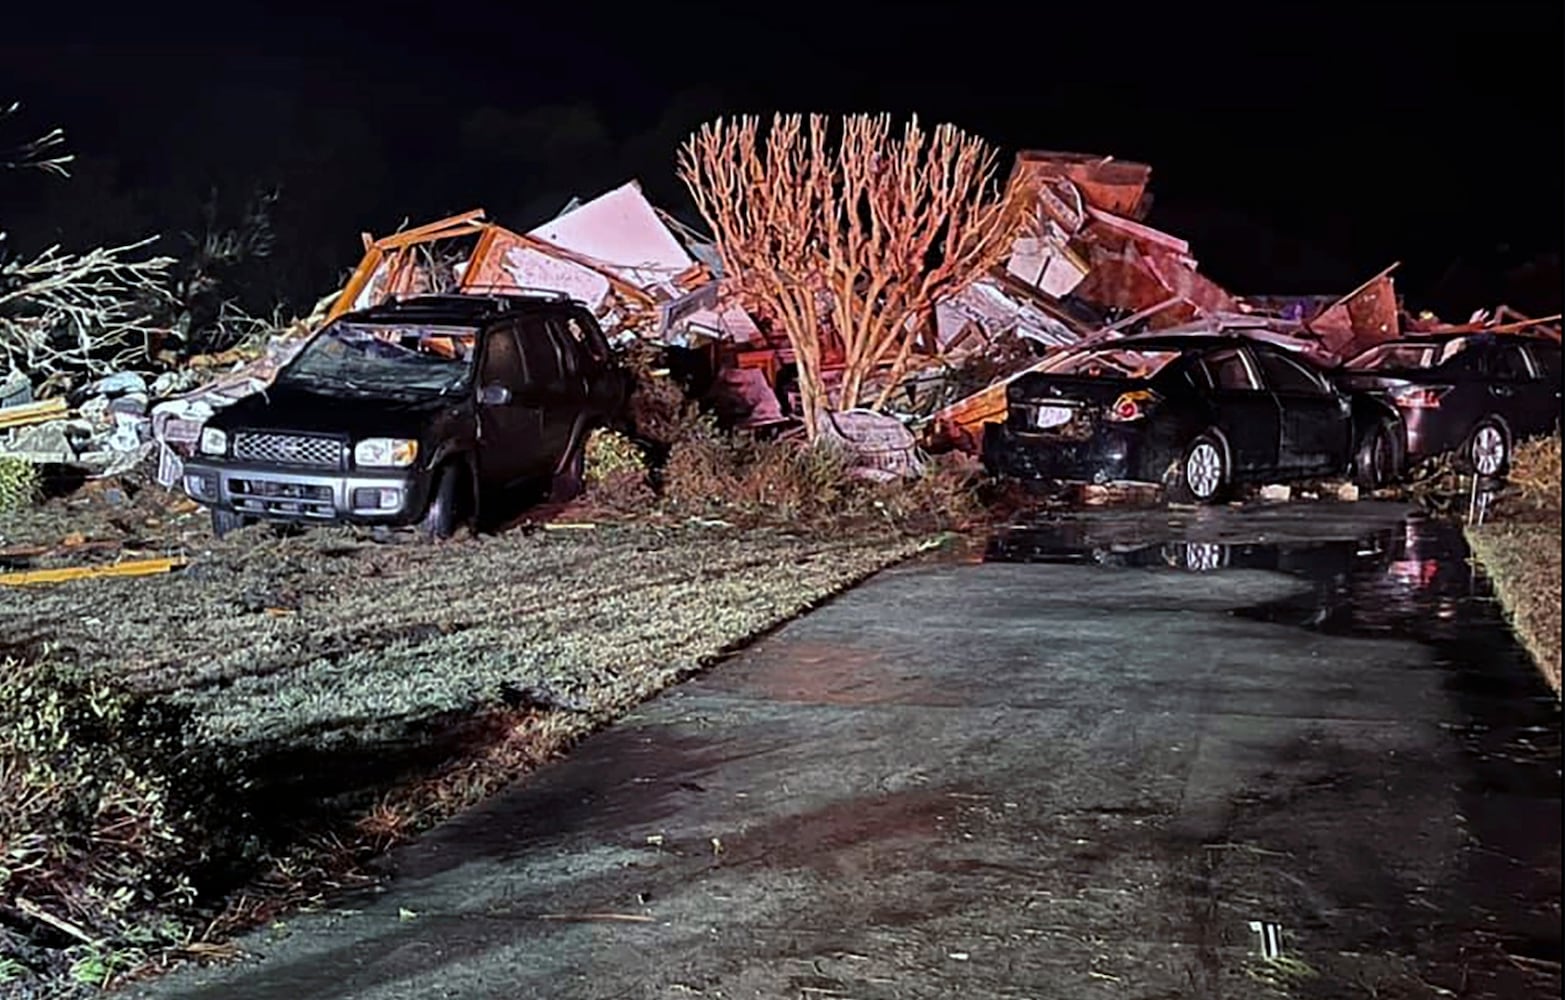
column 494, row 394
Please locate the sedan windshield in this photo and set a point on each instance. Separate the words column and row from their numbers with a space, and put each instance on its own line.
column 386, row 358
column 1111, row 362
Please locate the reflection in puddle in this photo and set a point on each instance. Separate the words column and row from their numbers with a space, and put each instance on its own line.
column 1413, row 579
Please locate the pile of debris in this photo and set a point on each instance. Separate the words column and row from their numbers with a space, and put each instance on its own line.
column 106, row 426
column 1088, row 268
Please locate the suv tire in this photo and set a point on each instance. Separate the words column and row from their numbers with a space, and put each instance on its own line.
column 441, row 519
column 225, row 521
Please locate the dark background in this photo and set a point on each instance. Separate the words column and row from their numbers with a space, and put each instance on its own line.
column 1299, row 147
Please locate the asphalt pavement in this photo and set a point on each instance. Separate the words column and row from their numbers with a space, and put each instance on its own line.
column 1286, row 752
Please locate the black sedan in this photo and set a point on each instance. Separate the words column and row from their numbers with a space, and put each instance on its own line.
column 1196, row 413
column 1473, row 395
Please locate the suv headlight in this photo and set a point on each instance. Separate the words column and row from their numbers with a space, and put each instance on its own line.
column 213, row 441
column 385, row 453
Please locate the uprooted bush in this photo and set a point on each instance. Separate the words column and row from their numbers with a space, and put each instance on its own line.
column 741, row 478
column 681, row 462
column 93, row 840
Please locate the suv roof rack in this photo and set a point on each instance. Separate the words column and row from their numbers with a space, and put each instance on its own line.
column 514, row 291
column 503, row 296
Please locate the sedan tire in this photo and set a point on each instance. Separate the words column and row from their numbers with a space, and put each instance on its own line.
column 1203, row 472
column 1488, row 449
column 1375, row 465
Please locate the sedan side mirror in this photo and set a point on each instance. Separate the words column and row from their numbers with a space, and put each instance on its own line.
column 494, row 394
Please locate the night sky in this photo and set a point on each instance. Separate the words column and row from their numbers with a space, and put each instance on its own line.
column 1299, row 147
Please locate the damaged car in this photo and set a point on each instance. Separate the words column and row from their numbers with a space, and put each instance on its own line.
column 1197, row 413
column 1472, row 395
column 431, row 412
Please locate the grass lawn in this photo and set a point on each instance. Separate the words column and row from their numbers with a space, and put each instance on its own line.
column 331, row 690
column 1519, row 548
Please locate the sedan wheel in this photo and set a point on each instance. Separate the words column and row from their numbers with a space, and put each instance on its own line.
column 1487, row 450
column 1204, row 469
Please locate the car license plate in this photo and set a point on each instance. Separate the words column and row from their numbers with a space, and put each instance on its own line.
column 1044, row 417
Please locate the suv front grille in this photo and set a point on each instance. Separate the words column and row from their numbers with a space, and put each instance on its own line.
column 289, row 449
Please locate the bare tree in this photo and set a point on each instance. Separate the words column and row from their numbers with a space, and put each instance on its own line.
column 87, row 312
column 868, row 234
column 64, row 313
column 44, row 153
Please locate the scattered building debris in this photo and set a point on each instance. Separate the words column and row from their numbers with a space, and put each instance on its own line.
column 1088, row 267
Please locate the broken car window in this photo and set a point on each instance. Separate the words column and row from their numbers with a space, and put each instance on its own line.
column 502, row 360
column 1111, row 362
column 387, row 357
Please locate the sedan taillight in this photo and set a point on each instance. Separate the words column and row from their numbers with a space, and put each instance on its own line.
column 1132, row 406
column 1419, row 397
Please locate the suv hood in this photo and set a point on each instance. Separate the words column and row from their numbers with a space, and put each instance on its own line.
column 355, row 415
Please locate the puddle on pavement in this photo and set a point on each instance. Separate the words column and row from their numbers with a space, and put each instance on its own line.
column 1411, row 581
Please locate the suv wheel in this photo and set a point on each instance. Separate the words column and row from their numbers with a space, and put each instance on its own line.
column 441, row 516
column 567, row 483
column 225, row 521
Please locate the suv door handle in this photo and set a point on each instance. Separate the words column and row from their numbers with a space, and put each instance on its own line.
column 1501, row 390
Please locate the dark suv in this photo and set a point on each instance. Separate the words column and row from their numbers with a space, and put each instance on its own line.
column 424, row 412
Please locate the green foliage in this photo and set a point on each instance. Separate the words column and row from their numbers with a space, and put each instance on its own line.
column 19, row 484
column 89, row 832
column 611, row 454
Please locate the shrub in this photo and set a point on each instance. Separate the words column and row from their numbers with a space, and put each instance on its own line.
column 92, row 840
column 789, row 480
column 1535, row 477
column 19, row 484
column 617, row 472
column 659, row 409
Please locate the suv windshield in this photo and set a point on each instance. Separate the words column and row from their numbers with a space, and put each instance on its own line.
column 386, row 357
column 1111, row 362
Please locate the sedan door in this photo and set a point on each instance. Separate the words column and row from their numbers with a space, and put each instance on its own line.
column 1245, row 410
column 1543, row 402
column 1316, row 421
column 1524, row 395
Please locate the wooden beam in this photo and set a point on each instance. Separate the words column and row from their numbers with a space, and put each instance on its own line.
column 65, row 574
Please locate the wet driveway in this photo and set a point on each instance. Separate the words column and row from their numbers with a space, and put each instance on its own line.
column 1292, row 752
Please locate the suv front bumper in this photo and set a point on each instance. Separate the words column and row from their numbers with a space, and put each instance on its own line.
column 275, row 494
